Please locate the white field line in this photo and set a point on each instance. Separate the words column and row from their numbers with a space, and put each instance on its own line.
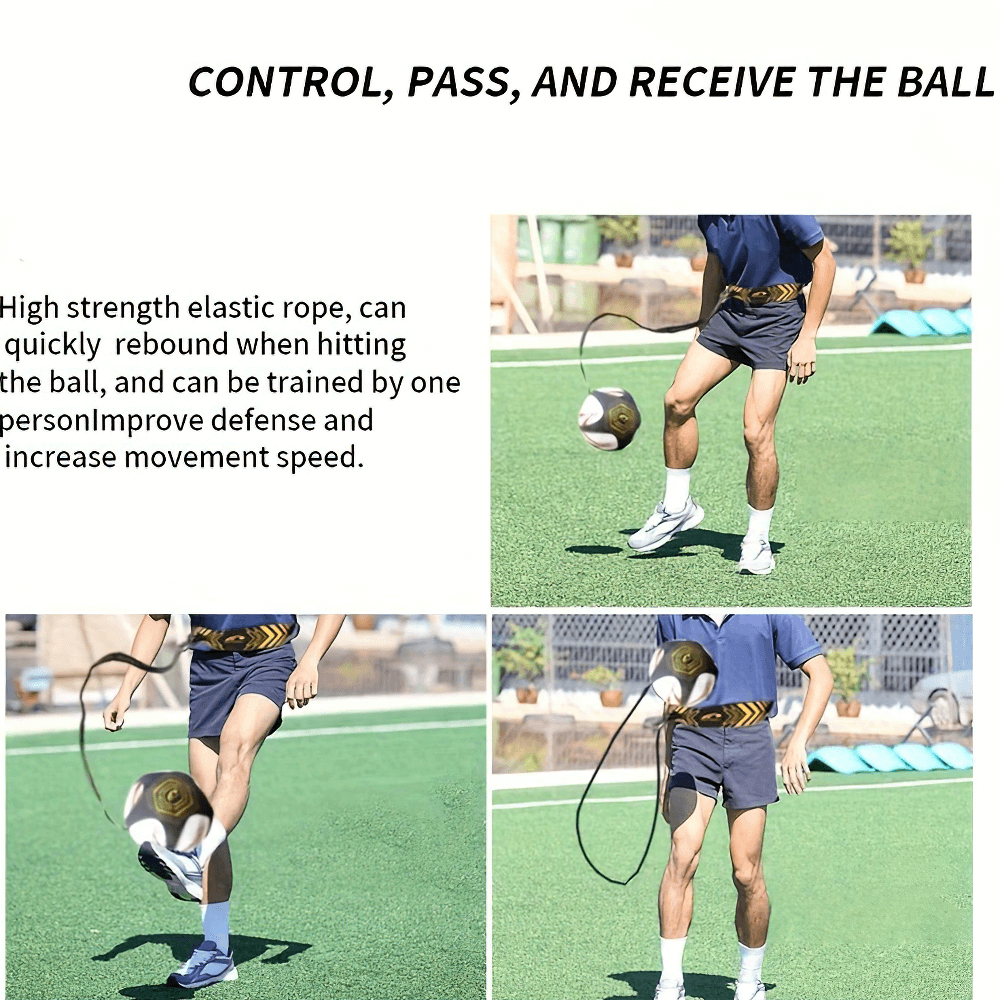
column 397, row 727
column 650, row 798
column 631, row 359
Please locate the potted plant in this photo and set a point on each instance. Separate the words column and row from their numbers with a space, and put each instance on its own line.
column 605, row 679
column 523, row 655
column 692, row 246
column 909, row 244
column 622, row 230
column 848, row 676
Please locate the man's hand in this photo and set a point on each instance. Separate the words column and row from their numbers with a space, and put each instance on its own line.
column 114, row 714
column 302, row 685
column 794, row 769
column 802, row 359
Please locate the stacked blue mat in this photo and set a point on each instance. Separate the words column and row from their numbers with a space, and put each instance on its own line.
column 943, row 322
column 877, row 757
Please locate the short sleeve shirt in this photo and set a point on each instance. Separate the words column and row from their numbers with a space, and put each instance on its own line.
column 760, row 250
column 744, row 648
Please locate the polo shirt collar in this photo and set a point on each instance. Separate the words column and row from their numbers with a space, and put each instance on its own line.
column 719, row 624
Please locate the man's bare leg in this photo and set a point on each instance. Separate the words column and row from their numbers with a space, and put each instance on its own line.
column 688, row 812
column 699, row 371
column 759, row 415
column 217, row 878
column 753, row 906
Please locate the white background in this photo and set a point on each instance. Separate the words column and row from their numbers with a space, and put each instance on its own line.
column 116, row 182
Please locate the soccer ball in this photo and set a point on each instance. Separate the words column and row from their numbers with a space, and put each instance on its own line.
column 682, row 673
column 609, row 419
column 168, row 808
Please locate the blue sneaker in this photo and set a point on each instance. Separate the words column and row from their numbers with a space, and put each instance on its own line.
column 182, row 872
column 206, row 965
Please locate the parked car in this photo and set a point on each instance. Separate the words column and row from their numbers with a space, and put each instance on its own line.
column 949, row 697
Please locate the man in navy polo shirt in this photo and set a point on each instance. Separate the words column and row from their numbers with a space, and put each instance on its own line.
column 243, row 671
column 757, row 266
column 739, row 760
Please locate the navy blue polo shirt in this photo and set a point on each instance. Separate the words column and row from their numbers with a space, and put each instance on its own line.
column 760, row 250
column 222, row 623
column 744, row 649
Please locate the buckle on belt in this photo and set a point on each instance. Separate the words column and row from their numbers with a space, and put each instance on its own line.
column 737, row 713
column 763, row 296
column 252, row 639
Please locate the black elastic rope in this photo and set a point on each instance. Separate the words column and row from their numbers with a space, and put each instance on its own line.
column 642, row 326
column 132, row 662
column 656, row 804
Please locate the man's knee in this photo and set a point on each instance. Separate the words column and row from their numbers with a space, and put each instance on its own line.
column 236, row 759
column 749, row 879
column 678, row 406
column 759, row 437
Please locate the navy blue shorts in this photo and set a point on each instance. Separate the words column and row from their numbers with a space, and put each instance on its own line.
column 737, row 759
column 758, row 336
column 218, row 679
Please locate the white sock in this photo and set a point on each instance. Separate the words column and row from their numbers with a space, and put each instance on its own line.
column 760, row 523
column 212, row 840
column 675, row 496
column 671, row 953
column 215, row 924
column 751, row 960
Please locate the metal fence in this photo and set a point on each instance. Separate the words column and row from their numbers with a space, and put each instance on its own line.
column 853, row 234
column 901, row 648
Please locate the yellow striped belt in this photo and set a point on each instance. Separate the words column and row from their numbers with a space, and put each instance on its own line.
column 763, row 296
column 737, row 713
column 252, row 639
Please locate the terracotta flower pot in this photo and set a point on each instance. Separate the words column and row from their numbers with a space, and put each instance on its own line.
column 611, row 699
column 363, row 623
column 914, row 276
column 698, row 263
column 527, row 696
column 850, row 709
column 623, row 259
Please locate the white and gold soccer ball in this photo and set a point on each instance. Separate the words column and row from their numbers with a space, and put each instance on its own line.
column 609, row 419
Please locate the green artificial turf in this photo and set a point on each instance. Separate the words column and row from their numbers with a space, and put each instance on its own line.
column 873, row 507
column 871, row 892
column 360, row 869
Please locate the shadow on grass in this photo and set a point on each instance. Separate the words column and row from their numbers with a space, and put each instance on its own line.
column 726, row 542
column 594, row 550
column 181, row 945
column 697, row 985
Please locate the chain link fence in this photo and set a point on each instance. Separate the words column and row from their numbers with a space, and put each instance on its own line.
column 859, row 238
column 901, row 648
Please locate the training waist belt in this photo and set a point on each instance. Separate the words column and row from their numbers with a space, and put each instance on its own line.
column 251, row 639
column 763, row 296
column 737, row 713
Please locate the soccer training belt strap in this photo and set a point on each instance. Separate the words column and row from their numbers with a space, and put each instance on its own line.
column 736, row 713
column 252, row 639
column 763, row 296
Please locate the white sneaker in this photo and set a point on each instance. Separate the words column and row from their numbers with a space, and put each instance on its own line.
column 182, row 872
column 755, row 557
column 207, row 965
column 663, row 992
column 750, row 991
column 662, row 526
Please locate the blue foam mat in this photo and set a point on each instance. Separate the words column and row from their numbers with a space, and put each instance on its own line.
column 944, row 322
column 953, row 755
column 869, row 757
column 843, row 760
column 965, row 315
column 882, row 758
column 904, row 321
column 919, row 757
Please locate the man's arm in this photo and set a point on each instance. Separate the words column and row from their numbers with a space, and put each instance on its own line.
column 149, row 637
column 303, row 683
column 802, row 356
column 712, row 283
column 794, row 770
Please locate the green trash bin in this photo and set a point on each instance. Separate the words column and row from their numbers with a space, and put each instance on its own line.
column 550, row 232
column 523, row 240
column 581, row 239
